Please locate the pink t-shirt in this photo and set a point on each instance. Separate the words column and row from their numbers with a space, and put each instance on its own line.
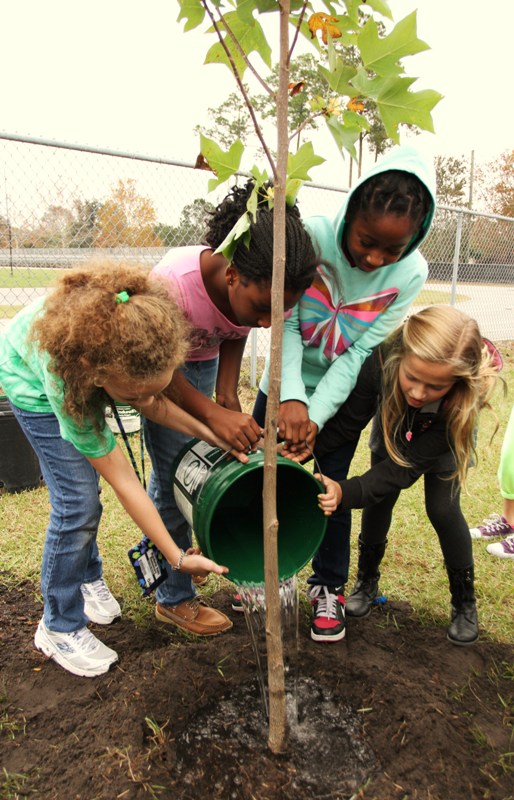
column 180, row 270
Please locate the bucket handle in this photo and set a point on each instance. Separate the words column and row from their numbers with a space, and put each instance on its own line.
column 316, row 463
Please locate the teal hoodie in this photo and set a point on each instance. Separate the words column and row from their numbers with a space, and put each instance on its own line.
column 329, row 334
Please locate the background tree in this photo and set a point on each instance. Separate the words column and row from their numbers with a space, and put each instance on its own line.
column 83, row 227
column 500, row 175
column 452, row 179
column 54, row 227
column 192, row 222
column 230, row 122
column 126, row 218
column 191, row 227
column 6, row 236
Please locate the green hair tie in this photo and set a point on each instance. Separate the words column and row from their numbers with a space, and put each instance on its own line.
column 122, row 297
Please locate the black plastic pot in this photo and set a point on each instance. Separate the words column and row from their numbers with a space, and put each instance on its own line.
column 19, row 465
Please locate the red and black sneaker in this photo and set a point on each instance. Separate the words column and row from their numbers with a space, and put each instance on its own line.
column 237, row 603
column 328, row 623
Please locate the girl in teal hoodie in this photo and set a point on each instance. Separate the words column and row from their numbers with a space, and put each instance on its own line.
column 372, row 247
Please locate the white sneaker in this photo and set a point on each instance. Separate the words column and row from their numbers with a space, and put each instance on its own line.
column 99, row 604
column 494, row 527
column 79, row 652
column 503, row 549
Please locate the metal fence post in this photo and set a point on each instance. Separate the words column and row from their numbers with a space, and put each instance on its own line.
column 456, row 255
column 253, row 358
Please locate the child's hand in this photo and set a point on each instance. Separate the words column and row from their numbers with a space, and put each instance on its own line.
column 293, row 421
column 298, row 453
column 239, row 430
column 194, row 563
column 328, row 502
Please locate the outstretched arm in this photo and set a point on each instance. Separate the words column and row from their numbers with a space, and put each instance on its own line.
column 116, row 470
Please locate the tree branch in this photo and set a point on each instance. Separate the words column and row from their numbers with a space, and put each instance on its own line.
column 240, row 83
column 305, row 123
column 297, row 32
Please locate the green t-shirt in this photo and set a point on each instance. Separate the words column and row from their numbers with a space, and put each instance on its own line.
column 28, row 383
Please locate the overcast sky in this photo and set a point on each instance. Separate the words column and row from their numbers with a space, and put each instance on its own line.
column 122, row 74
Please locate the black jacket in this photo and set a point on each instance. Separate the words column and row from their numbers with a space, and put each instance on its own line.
column 423, row 439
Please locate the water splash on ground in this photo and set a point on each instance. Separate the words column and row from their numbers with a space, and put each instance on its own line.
column 327, row 746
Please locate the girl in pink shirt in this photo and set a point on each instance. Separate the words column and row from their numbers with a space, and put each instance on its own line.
column 222, row 300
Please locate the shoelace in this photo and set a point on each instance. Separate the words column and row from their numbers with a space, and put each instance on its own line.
column 99, row 588
column 84, row 640
column 196, row 601
column 508, row 544
column 326, row 604
column 493, row 523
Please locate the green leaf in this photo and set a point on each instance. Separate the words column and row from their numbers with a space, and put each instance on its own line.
column 382, row 54
column 263, row 6
column 303, row 160
column 230, row 242
column 352, row 8
column 251, row 38
column 344, row 135
column 245, row 9
column 260, row 177
column 253, row 202
column 305, row 31
column 193, row 12
column 224, row 164
column 396, row 104
column 381, row 7
column 353, row 120
column 293, row 186
column 338, row 78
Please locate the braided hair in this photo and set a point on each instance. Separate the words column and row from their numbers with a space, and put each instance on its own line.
column 391, row 192
column 255, row 262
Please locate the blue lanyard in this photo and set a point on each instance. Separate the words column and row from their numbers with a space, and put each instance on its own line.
column 129, row 448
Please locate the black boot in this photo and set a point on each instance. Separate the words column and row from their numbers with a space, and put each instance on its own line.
column 463, row 629
column 360, row 600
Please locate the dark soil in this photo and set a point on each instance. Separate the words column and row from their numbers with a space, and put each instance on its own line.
column 395, row 711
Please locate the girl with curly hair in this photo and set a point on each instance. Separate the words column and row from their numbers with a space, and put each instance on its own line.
column 105, row 334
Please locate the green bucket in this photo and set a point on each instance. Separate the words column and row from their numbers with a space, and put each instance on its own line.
column 222, row 501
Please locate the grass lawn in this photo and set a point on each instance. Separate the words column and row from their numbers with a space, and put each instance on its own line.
column 431, row 297
column 26, row 278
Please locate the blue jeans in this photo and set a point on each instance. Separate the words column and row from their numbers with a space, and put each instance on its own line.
column 163, row 445
column 331, row 562
column 70, row 553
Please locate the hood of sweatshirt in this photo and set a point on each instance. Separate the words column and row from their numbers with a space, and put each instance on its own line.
column 406, row 159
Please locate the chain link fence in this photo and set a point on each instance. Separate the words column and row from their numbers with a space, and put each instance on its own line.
column 61, row 204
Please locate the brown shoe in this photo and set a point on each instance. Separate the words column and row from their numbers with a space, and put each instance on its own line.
column 194, row 616
column 200, row 580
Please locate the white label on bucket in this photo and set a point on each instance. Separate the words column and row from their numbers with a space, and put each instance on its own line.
column 191, row 474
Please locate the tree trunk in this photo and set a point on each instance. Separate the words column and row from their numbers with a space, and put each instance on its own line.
column 274, row 645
